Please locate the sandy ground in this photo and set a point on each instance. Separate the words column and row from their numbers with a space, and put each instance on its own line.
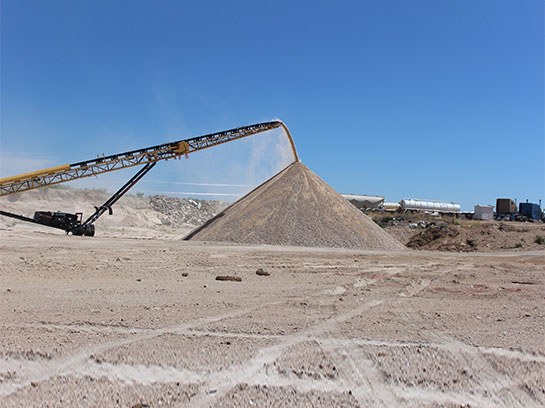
column 95, row 322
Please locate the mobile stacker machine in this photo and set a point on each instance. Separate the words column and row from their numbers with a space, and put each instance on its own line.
column 146, row 157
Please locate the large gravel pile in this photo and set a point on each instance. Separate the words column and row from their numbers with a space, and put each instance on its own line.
column 296, row 207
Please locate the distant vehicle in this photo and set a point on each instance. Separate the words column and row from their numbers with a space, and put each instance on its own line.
column 530, row 210
column 505, row 206
column 430, row 206
column 391, row 207
column 506, row 210
column 364, row 202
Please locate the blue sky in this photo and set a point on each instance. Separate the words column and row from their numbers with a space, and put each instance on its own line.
column 429, row 99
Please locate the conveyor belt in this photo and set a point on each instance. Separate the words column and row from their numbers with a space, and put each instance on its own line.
column 100, row 165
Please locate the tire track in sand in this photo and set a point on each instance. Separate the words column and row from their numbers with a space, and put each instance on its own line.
column 32, row 371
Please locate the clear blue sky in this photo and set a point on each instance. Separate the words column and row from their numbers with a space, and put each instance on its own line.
column 430, row 99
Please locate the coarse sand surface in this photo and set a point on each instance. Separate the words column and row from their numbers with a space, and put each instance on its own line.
column 107, row 322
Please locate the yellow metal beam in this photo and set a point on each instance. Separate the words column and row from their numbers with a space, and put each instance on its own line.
column 34, row 174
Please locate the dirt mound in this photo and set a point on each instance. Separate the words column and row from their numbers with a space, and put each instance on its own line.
column 296, row 207
column 470, row 236
column 433, row 233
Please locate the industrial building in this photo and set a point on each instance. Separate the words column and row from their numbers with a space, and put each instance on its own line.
column 483, row 212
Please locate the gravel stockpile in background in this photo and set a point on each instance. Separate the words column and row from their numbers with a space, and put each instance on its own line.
column 186, row 210
column 296, row 207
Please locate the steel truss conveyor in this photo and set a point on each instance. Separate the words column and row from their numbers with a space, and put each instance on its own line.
column 100, row 165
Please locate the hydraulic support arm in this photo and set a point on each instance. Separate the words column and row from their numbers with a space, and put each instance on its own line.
column 107, row 206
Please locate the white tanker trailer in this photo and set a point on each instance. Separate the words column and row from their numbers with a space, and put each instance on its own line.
column 430, row 206
column 391, row 207
column 364, row 201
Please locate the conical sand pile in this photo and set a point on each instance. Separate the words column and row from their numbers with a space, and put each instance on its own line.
column 296, row 207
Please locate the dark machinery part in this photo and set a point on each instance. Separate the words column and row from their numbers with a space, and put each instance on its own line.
column 71, row 223
column 61, row 220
